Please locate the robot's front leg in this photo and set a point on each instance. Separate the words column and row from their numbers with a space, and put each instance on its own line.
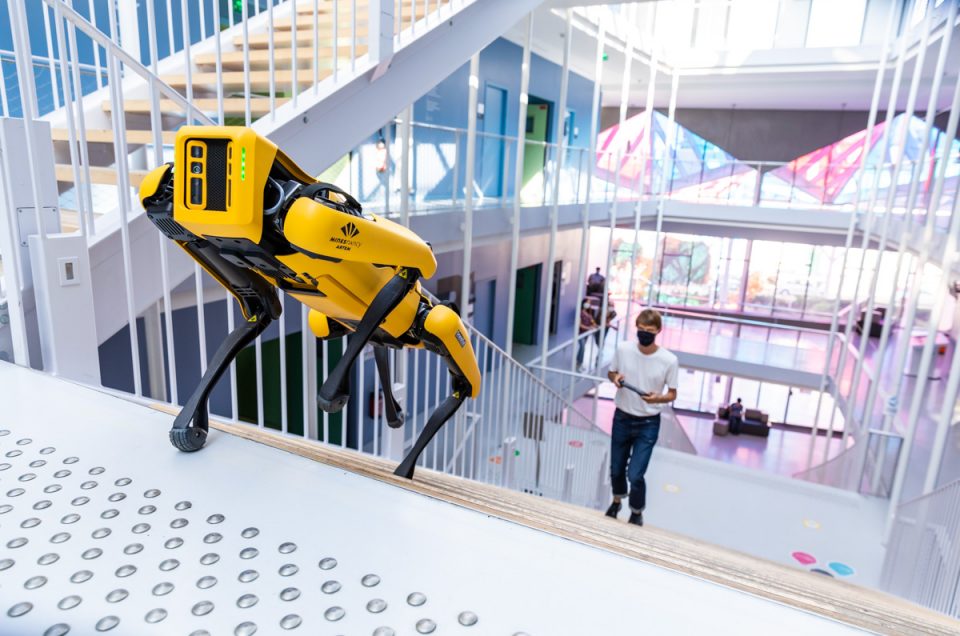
column 461, row 390
column 394, row 412
column 260, row 305
column 189, row 431
column 335, row 390
column 442, row 328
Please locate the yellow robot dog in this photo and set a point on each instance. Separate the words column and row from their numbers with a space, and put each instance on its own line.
column 257, row 223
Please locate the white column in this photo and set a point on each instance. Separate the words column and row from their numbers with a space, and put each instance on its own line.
column 405, row 131
column 474, row 80
column 518, row 185
column 156, row 378
column 614, row 208
column 555, row 209
column 651, row 89
column 585, row 210
column 667, row 168
column 129, row 26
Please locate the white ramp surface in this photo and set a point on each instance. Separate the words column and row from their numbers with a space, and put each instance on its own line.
column 105, row 527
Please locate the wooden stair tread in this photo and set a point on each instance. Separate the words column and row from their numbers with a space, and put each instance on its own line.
column 326, row 6
column 837, row 600
column 259, row 80
column 261, row 57
column 106, row 136
column 236, row 105
column 285, row 39
column 364, row 9
column 306, row 19
column 324, row 23
column 104, row 175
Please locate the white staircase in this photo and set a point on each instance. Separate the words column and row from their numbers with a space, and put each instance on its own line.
column 348, row 81
column 357, row 63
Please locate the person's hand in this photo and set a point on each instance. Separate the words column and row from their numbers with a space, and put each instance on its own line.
column 617, row 379
column 651, row 398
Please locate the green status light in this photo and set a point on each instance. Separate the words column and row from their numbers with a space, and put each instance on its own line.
column 243, row 164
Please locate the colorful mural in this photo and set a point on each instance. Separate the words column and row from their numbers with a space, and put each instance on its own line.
column 828, row 175
column 700, row 169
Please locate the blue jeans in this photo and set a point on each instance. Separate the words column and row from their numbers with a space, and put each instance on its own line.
column 631, row 442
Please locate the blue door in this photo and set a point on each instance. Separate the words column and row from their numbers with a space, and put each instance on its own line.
column 491, row 143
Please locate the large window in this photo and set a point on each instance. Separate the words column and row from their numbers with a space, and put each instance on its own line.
column 753, row 277
column 703, row 392
column 835, row 22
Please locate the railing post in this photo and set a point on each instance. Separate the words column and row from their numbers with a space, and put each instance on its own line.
column 380, row 35
column 509, row 464
column 602, row 493
column 567, row 494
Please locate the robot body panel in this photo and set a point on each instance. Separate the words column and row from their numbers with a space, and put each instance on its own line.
column 320, row 230
column 257, row 223
column 347, row 291
column 220, row 188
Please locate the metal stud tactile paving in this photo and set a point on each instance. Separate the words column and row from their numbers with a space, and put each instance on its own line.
column 179, row 563
column 105, row 528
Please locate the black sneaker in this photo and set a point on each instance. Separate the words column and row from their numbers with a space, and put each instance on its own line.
column 614, row 509
column 636, row 518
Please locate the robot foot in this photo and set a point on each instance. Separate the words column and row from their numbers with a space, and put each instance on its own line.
column 397, row 422
column 333, row 405
column 189, row 432
column 188, row 439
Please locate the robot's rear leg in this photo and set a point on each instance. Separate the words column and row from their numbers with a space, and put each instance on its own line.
column 189, row 432
column 394, row 412
column 335, row 391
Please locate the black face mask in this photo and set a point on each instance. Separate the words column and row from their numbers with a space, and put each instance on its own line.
column 645, row 337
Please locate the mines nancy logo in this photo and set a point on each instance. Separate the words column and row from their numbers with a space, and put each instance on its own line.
column 349, row 231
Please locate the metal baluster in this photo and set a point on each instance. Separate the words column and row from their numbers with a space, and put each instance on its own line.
column 282, row 324
column 271, row 68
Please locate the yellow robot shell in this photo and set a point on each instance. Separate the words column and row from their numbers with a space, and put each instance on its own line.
column 445, row 324
column 151, row 182
column 319, row 229
column 250, row 160
column 318, row 324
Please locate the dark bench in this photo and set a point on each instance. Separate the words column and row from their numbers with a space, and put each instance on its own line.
column 755, row 422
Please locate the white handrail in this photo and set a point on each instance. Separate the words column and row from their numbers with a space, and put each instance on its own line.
column 114, row 50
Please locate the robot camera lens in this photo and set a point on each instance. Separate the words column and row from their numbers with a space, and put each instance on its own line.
column 196, row 168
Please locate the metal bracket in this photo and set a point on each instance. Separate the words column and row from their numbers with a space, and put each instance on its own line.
column 27, row 225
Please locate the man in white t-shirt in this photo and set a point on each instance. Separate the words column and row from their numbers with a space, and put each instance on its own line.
column 636, row 422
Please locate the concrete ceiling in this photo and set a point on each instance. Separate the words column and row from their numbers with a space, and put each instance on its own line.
column 787, row 79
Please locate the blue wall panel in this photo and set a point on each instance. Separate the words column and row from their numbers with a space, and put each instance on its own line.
column 446, row 105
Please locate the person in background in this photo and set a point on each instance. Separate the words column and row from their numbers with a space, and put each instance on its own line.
column 736, row 416
column 636, row 421
column 587, row 322
column 595, row 282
